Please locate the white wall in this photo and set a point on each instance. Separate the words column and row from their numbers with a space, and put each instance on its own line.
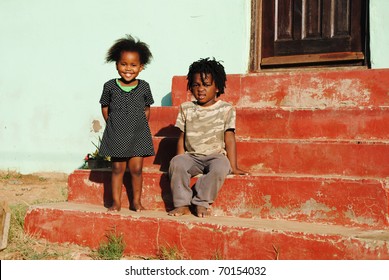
column 379, row 38
column 52, row 65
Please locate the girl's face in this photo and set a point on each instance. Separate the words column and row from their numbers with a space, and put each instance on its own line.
column 205, row 93
column 129, row 67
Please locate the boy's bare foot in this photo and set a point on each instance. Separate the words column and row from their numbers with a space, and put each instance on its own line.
column 238, row 171
column 179, row 211
column 202, row 212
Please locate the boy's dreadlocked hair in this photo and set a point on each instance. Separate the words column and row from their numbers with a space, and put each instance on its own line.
column 129, row 44
column 207, row 66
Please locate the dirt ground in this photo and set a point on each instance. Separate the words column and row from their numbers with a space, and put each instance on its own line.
column 34, row 188
column 20, row 191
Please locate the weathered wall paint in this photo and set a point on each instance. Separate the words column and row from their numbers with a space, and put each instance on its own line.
column 52, row 65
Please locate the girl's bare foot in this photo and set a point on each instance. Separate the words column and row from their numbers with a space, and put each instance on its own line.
column 138, row 207
column 114, row 208
column 202, row 212
column 179, row 211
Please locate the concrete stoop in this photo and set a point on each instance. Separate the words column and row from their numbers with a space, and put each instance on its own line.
column 148, row 233
column 317, row 146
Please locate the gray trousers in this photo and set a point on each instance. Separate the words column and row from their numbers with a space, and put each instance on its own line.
column 214, row 168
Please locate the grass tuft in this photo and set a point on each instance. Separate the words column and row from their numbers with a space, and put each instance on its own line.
column 113, row 248
column 170, row 253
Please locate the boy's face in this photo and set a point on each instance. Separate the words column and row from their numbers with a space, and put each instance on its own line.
column 129, row 67
column 205, row 93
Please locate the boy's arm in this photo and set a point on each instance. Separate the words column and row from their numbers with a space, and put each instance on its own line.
column 180, row 144
column 104, row 111
column 229, row 138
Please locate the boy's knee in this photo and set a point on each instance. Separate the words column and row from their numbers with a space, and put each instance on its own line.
column 177, row 162
column 220, row 171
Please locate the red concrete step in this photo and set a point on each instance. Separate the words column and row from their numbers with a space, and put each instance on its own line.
column 359, row 158
column 147, row 233
column 276, row 123
column 340, row 124
column 162, row 121
column 301, row 89
column 316, row 157
column 330, row 200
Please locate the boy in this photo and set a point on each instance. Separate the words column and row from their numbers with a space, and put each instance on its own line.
column 206, row 144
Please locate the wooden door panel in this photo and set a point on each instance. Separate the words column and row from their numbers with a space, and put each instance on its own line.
column 314, row 26
column 284, row 20
column 311, row 20
column 307, row 27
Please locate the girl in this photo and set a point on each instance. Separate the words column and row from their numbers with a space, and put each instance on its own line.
column 125, row 104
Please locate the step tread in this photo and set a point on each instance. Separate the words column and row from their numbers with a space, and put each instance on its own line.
column 258, row 175
column 266, row 225
column 146, row 233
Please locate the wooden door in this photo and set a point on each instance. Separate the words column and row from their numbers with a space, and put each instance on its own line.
column 309, row 32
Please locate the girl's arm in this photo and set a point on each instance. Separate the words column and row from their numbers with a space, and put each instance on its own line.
column 147, row 112
column 104, row 111
column 180, row 144
column 229, row 139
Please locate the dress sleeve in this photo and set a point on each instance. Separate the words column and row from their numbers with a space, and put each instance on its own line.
column 148, row 95
column 105, row 98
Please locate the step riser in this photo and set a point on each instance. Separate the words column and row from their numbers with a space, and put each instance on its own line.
column 332, row 201
column 315, row 158
column 313, row 124
column 95, row 188
column 146, row 237
column 162, row 121
column 366, row 124
column 300, row 89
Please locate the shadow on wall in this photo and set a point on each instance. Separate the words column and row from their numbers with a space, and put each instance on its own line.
column 167, row 100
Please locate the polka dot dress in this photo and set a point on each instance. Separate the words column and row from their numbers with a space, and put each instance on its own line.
column 127, row 132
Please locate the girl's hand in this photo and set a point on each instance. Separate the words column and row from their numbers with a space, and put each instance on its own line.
column 238, row 171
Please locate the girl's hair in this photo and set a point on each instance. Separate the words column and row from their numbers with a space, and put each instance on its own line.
column 129, row 44
column 205, row 66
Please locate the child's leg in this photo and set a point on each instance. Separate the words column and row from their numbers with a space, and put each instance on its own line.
column 208, row 185
column 135, row 165
column 118, row 169
column 182, row 168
